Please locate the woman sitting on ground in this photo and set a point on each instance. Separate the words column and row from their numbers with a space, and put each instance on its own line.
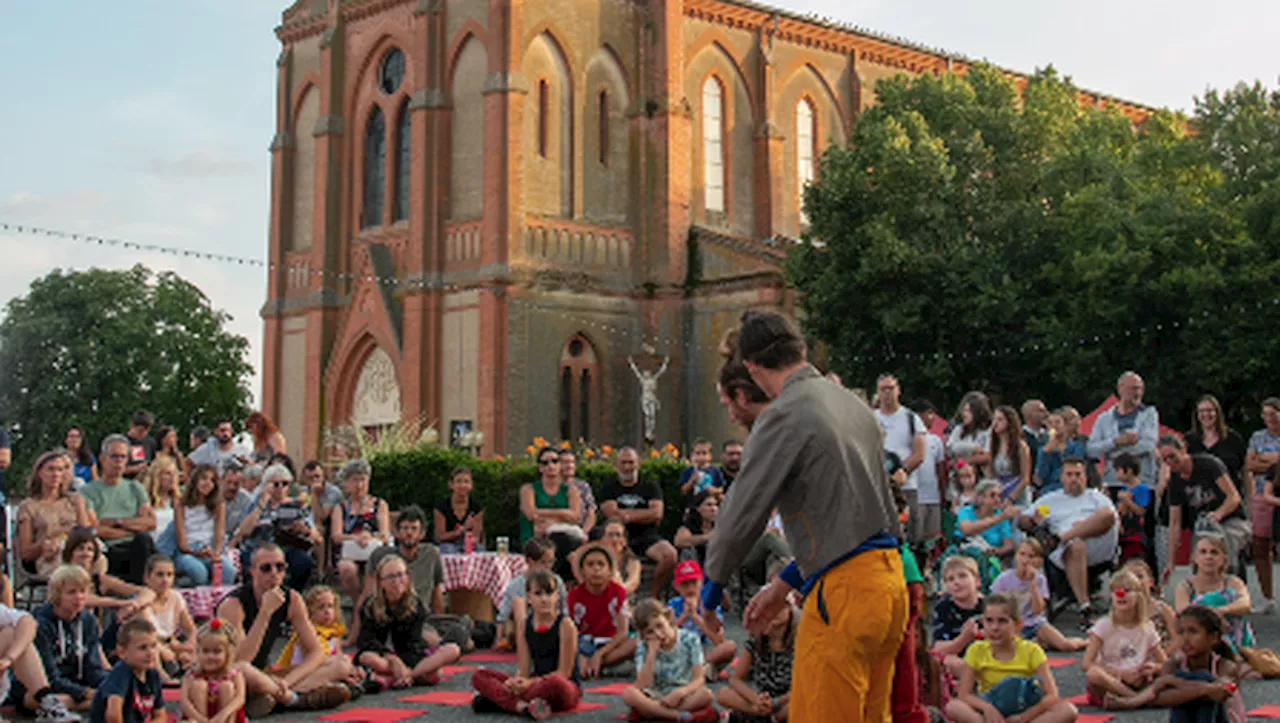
column 395, row 640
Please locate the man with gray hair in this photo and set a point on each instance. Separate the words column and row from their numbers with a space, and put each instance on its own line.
column 125, row 517
column 1130, row 427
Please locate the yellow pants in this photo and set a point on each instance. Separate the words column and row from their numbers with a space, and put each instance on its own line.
column 848, row 641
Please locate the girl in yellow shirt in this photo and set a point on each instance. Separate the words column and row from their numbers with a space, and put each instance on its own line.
column 1007, row 679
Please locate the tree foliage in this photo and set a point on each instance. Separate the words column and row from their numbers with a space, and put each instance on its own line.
column 91, row 347
column 972, row 237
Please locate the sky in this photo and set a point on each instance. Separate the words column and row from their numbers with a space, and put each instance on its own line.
column 149, row 120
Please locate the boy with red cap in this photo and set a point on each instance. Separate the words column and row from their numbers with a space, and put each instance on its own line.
column 717, row 650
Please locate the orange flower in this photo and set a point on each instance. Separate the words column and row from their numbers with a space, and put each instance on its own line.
column 606, row 450
column 499, row 458
column 532, row 450
column 565, row 444
column 653, row 453
column 589, row 453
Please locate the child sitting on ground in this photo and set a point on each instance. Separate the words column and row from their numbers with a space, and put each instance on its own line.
column 701, row 475
column 1199, row 682
column 599, row 607
column 1006, row 677
column 546, row 679
column 175, row 630
column 670, row 671
column 1162, row 615
column 717, row 651
column 760, row 689
column 325, row 612
column 1124, row 653
column 958, row 613
column 68, row 639
column 1027, row 583
column 132, row 692
column 214, row 690
column 394, row 640
column 539, row 554
column 30, row 686
column 627, row 571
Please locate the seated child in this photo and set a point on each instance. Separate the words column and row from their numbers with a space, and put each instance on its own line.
column 627, row 572
column 701, row 475
column 67, row 638
column 966, row 486
column 760, row 689
column 539, row 554
column 1124, row 654
column 393, row 630
column 546, row 679
column 325, row 612
column 214, row 690
column 1201, row 681
column 175, row 630
column 718, row 651
column 1005, row 676
column 1132, row 502
column 1162, row 615
column 1028, row 584
column 670, row 673
column 132, row 692
column 30, row 688
column 958, row 613
column 599, row 608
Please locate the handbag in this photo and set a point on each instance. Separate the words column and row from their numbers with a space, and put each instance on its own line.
column 1263, row 660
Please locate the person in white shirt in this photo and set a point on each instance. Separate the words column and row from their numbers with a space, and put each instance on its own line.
column 904, row 431
column 925, row 502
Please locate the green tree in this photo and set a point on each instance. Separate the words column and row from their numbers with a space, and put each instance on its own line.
column 973, row 237
column 91, row 347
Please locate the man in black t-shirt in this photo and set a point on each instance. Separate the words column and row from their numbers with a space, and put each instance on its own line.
column 1200, row 486
column 638, row 503
column 142, row 448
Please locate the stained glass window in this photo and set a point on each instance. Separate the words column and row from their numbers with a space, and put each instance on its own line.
column 391, row 74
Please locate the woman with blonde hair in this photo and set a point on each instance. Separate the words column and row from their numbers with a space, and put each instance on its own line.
column 162, row 483
column 46, row 517
column 395, row 639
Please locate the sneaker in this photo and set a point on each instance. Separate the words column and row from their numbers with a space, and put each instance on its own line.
column 355, row 689
column 330, row 695
column 259, row 706
column 538, row 709
column 1086, row 618
column 1264, row 606
column 52, row 710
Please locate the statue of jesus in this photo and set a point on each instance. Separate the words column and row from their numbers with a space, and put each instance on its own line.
column 649, row 403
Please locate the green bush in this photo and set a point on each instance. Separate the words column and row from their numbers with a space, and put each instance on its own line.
column 421, row 476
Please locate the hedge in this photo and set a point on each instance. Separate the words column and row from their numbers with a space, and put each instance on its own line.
column 421, row 476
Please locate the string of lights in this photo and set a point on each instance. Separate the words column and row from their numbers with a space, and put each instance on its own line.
column 1005, row 352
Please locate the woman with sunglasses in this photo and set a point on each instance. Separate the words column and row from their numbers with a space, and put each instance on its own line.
column 549, row 501
column 395, row 640
column 276, row 518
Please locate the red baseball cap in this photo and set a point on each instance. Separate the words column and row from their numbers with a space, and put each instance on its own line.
column 686, row 571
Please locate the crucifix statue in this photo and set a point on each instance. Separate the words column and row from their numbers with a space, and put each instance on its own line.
column 649, row 403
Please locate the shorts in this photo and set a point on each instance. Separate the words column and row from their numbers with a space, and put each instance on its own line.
column 640, row 545
column 588, row 645
column 1099, row 549
column 1029, row 632
column 1014, row 694
column 926, row 519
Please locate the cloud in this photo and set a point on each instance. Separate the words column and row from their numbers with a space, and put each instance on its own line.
column 198, row 165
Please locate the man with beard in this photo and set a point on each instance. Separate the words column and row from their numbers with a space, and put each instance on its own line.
column 730, row 462
column 816, row 454
column 220, row 449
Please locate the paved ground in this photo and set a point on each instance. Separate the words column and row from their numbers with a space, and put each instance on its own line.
column 1070, row 681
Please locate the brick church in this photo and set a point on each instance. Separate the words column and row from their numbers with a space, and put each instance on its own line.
column 484, row 210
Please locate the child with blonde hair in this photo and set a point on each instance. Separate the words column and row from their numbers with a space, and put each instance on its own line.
column 1028, row 584
column 325, row 613
column 1163, row 617
column 68, row 639
column 957, row 615
column 671, row 679
column 1006, row 677
column 214, row 690
column 1124, row 653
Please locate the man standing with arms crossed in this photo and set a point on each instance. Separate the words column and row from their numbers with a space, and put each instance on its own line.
column 816, row 454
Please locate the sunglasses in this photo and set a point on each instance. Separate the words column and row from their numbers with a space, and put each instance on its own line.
column 280, row 483
column 272, row 566
column 549, row 462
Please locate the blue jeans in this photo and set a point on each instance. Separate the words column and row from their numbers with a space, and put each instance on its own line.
column 199, row 569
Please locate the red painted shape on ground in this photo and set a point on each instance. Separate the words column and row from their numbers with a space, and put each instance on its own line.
column 373, row 715
column 584, row 707
column 1094, row 718
column 172, row 695
column 610, row 689
column 1062, row 662
column 449, row 670
column 1079, row 700
column 456, row 698
column 490, row 657
column 1266, row 711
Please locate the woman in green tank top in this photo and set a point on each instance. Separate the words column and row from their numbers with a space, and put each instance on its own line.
column 549, row 501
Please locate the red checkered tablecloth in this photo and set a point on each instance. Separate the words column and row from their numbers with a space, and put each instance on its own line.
column 202, row 600
column 487, row 572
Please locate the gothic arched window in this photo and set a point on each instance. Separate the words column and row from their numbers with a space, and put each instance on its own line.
column 713, row 144
column 806, row 150
column 404, row 140
column 580, row 404
column 375, row 168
